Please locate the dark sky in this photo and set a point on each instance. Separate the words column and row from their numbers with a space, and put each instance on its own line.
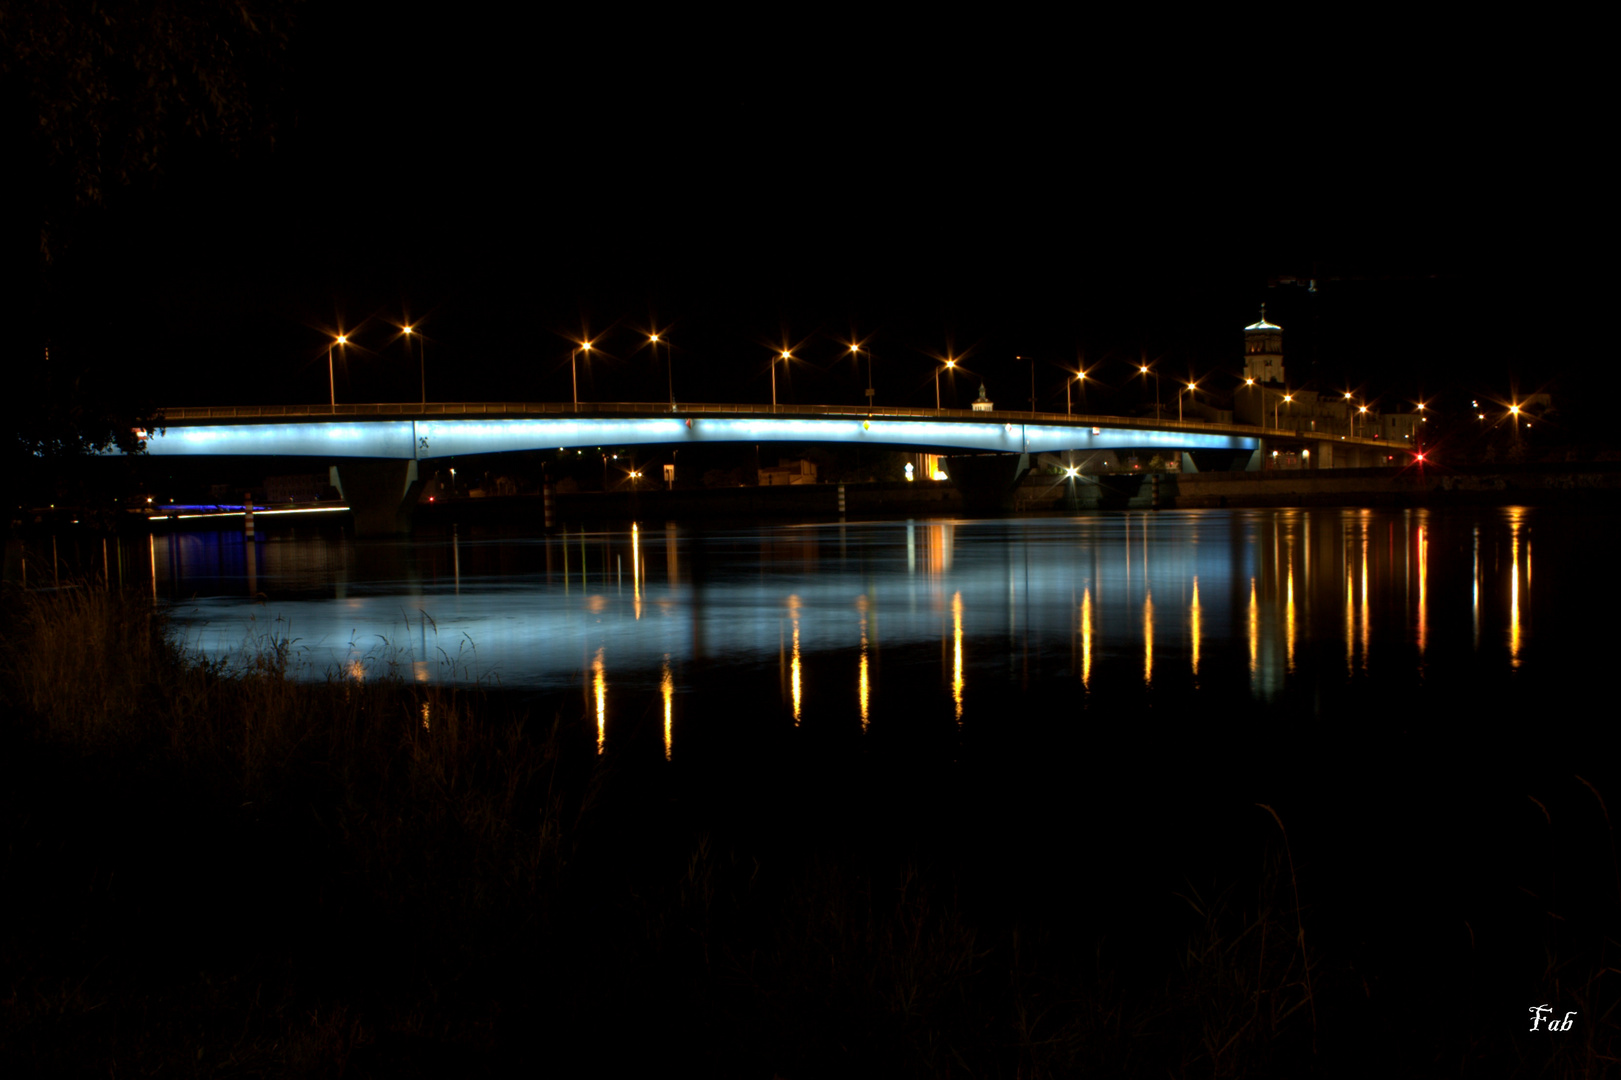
column 516, row 185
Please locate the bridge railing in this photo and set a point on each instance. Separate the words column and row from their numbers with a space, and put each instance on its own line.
column 191, row 414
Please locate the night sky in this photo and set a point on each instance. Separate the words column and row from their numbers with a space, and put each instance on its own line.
column 513, row 186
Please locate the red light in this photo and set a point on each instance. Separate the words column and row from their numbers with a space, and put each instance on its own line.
column 1421, row 457
column 430, row 498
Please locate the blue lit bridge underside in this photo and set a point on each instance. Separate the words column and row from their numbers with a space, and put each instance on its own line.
column 424, row 439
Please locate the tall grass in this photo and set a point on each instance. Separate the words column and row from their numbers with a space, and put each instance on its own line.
column 419, row 773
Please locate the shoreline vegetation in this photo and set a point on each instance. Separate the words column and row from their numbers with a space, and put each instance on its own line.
column 217, row 869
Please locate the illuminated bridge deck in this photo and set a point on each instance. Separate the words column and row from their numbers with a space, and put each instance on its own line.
column 436, row 430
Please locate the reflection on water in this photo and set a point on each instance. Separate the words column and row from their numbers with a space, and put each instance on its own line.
column 863, row 686
column 667, row 692
column 793, row 614
column 1086, row 638
column 599, row 684
column 1423, row 588
column 1193, row 620
column 1289, row 610
column 1203, row 595
column 956, row 652
column 1148, row 634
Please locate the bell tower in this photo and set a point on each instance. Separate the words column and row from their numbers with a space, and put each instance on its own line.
column 1263, row 351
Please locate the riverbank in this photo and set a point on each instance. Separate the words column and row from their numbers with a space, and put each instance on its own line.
column 1479, row 485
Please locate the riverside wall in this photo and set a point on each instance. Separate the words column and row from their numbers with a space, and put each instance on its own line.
column 1478, row 486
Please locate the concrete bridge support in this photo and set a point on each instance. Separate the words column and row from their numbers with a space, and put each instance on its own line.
column 988, row 482
column 380, row 494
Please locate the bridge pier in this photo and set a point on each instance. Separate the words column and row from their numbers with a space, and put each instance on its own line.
column 380, row 494
column 988, row 482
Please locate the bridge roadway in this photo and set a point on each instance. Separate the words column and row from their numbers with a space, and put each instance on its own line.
column 374, row 450
column 407, row 432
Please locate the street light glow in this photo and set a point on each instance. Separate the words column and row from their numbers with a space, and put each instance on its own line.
column 343, row 339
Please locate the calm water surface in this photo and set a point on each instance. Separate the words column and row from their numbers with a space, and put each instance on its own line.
column 954, row 613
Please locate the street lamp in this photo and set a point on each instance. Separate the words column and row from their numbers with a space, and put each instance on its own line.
column 574, row 370
column 1143, row 370
column 1080, row 377
column 855, row 350
column 1362, row 412
column 331, row 384
column 669, row 365
column 948, row 365
column 1190, row 388
column 422, row 356
column 1287, row 399
column 784, row 357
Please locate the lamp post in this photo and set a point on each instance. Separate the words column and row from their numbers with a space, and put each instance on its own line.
column 669, row 365
column 331, row 382
column 855, row 350
column 1362, row 412
column 1287, row 399
column 574, row 370
column 422, row 356
column 1143, row 370
column 1190, row 388
column 947, row 366
column 1080, row 377
column 784, row 357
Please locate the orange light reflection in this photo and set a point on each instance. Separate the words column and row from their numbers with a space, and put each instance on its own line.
column 956, row 653
column 1193, row 615
column 667, row 688
column 1086, row 639
column 599, row 684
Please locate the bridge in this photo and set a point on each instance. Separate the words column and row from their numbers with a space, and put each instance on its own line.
column 375, row 448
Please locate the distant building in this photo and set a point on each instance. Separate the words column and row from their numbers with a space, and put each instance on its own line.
column 1401, row 427
column 789, row 473
column 984, row 403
